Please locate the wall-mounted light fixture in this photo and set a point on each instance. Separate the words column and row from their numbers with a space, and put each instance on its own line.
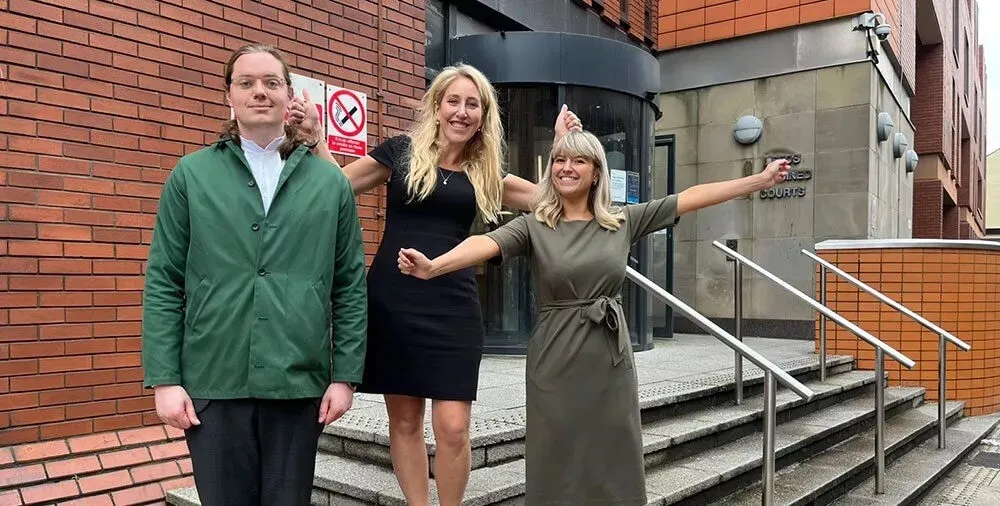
column 748, row 129
column 899, row 145
column 884, row 126
column 910, row 161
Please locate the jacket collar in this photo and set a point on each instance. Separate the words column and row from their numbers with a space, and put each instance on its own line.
column 293, row 161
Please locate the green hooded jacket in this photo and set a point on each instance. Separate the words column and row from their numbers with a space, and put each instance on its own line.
column 239, row 304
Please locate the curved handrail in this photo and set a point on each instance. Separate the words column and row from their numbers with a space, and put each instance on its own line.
column 747, row 352
column 895, row 305
column 858, row 331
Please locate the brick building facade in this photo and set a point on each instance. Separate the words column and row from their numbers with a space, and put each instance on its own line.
column 812, row 65
column 99, row 100
column 935, row 47
column 102, row 99
column 949, row 113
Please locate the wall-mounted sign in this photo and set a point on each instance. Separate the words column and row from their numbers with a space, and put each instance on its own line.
column 793, row 175
column 783, row 192
column 347, row 125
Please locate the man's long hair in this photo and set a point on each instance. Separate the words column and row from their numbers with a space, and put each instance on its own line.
column 231, row 129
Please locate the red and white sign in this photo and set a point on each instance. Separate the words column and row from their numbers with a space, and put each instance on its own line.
column 347, row 121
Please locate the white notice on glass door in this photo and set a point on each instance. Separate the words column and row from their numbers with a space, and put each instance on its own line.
column 618, row 184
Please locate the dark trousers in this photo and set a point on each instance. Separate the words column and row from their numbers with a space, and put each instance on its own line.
column 254, row 451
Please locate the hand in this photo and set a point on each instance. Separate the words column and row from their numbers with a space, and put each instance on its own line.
column 414, row 263
column 302, row 112
column 566, row 122
column 775, row 172
column 174, row 407
column 336, row 401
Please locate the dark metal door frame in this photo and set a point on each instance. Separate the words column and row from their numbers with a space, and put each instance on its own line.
column 668, row 141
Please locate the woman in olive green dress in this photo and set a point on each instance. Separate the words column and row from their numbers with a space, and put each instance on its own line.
column 583, row 443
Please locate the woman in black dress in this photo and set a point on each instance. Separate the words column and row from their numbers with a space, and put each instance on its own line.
column 425, row 339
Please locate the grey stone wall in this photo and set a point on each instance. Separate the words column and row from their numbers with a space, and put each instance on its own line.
column 857, row 189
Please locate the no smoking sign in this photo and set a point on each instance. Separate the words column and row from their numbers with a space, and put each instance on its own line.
column 347, row 121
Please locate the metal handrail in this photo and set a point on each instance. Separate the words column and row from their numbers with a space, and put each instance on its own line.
column 943, row 335
column 716, row 331
column 772, row 374
column 881, row 350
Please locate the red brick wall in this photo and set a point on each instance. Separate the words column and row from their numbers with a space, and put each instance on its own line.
column 928, row 216
column 630, row 20
column 934, row 124
column 102, row 100
column 942, row 111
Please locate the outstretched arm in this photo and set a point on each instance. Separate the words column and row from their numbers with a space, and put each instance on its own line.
column 710, row 194
column 472, row 251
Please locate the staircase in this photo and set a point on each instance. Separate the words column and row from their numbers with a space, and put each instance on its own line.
column 700, row 447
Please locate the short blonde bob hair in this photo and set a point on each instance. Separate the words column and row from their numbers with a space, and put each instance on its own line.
column 548, row 207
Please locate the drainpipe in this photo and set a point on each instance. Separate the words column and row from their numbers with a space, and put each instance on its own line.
column 380, row 194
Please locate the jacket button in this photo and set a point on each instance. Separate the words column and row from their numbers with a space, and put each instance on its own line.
column 255, row 227
column 261, row 271
column 251, row 183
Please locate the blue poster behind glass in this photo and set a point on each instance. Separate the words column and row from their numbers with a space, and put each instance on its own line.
column 632, row 188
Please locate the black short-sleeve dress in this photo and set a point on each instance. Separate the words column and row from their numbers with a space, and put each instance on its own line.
column 425, row 338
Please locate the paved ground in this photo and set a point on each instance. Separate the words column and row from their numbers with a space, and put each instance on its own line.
column 672, row 365
column 973, row 482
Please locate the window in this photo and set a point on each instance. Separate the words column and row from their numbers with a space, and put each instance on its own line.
column 955, row 28
column 968, row 67
column 435, row 37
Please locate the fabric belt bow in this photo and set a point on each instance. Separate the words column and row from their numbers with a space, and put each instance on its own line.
column 603, row 310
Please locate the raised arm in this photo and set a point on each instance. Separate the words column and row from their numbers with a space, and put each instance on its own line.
column 364, row 173
column 710, row 194
column 472, row 251
column 518, row 193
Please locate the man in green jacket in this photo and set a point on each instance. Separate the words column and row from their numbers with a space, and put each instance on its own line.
column 256, row 253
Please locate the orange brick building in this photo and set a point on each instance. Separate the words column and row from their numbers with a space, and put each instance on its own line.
column 888, row 131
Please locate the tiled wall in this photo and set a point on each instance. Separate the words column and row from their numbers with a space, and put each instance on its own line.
column 953, row 288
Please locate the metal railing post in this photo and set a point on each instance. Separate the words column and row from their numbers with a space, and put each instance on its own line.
column 942, row 390
column 822, row 325
column 738, row 331
column 770, row 415
column 879, row 421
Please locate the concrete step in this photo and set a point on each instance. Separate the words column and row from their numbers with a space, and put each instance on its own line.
column 831, row 473
column 497, row 434
column 675, row 438
column 912, row 477
column 340, row 480
column 720, row 471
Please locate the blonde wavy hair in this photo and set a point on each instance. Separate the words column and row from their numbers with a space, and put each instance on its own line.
column 548, row 207
column 483, row 155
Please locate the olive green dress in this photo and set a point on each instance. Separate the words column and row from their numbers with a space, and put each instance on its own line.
column 583, row 441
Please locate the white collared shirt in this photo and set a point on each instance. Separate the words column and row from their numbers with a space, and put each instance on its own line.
column 266, row 165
